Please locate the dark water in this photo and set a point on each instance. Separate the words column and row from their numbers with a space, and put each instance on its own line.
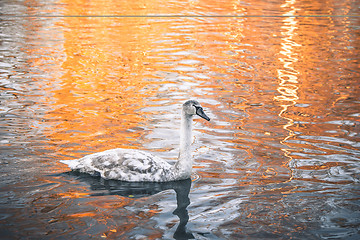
column 278, row 160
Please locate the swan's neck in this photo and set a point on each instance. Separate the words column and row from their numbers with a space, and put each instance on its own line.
column 184, row 163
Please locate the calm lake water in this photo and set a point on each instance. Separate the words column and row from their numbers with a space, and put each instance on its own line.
column 278, row 160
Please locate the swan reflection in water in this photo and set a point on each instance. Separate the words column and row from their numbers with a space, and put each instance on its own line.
column 103, row 187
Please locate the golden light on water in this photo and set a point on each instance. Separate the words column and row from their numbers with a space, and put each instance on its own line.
column 114, row 67
column 279, row 82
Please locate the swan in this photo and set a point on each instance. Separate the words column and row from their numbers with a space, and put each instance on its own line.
column 134, row 165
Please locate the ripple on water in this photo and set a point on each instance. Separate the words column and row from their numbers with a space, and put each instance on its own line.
column 279, row 158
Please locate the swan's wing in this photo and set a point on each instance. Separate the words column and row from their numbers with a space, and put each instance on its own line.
column 139, row 166
column 94, row 163
column 124, row 164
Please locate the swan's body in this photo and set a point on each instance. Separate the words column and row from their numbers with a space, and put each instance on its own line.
column 140, row 166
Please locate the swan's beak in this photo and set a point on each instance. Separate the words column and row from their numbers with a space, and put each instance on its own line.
column 200, row 112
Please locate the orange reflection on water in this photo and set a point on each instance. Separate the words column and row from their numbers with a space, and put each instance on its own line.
column 73, row 194
column 113, row 66
column 288, row 75
column 282, row 109
column 101, row 91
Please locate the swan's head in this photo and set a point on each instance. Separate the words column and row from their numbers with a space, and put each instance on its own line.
column 193, row 107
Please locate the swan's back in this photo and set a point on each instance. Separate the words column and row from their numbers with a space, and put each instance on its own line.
column 124, row 164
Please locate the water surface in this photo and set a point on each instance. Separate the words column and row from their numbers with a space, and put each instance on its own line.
column 279, row 158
